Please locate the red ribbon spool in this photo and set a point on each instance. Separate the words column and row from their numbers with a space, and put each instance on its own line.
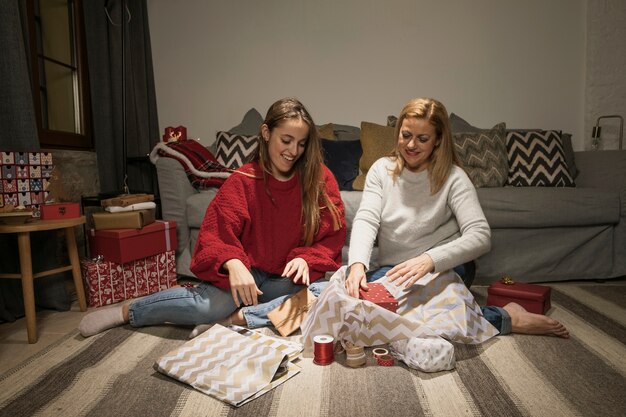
column 385, row 360
column 323, row 349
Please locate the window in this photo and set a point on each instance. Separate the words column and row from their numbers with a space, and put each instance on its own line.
column 59, row 73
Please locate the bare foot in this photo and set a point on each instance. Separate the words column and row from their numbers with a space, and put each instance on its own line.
column 525, row 322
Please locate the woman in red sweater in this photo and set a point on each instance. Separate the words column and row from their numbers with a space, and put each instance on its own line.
column 275, row 226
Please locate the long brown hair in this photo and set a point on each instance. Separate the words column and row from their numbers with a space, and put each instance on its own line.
column 309, row 166
column 443, row 156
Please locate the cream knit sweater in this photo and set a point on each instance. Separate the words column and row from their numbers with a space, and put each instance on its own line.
column 449, row 226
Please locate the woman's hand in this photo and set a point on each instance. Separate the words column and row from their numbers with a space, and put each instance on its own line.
column 242, row 284
column 408, row 272
column 298, row 270
column 356, row 279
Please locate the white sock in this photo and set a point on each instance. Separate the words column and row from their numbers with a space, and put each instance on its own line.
column 201, row 328
column 101, row 320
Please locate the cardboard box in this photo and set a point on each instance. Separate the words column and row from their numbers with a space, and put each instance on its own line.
column 57, row 211
column 110, row 282
column 379, row 295
column 534, row 298
column 125, row 245
column 123, row 220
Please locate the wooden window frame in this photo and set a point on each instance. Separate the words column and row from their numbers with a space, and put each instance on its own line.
column 55, row 139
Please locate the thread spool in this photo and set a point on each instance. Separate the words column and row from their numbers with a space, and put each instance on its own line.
column 376, row 352
column 323, row 349
column 385, row 360
column 355, row 356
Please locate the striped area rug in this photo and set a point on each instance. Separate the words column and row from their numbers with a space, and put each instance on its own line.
column 113, row 374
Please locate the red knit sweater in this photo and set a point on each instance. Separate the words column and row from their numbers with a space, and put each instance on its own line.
column 243, row 222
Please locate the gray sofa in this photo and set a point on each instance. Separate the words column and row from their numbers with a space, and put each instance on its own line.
column 539, row 234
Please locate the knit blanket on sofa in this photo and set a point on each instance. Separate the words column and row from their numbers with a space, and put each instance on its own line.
column 201, row 167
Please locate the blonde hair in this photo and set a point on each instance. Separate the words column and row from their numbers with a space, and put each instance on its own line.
column 309, row 166
column 443, row 155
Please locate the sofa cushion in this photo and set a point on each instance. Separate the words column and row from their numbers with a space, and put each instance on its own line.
column 376, row 141
column 235, row 150
column 250, row 125
column 342, row 158
column 346, row 132
column 326, row 131
column 196, row 206
column 537, row 159
column 538, row 207
column 483, row 155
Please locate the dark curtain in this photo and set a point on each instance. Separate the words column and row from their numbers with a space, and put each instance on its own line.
column 104, row 56
column 18, row 127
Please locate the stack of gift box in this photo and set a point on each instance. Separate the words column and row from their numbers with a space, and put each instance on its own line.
column 132, row 254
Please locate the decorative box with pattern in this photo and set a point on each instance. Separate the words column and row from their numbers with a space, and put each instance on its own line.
column 109, row 282
column 379, row 295
column 125, row 245
column 23, row 178
column 534, row 298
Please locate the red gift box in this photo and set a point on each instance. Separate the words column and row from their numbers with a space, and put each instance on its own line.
column 109, row 282
column 534, row 298
column 59, row 211
column 379, row 295
column 125, row 245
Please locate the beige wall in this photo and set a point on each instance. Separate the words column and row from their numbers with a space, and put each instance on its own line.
column 489, row 61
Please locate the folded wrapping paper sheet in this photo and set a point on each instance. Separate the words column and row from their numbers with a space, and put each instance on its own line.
column 438, row 305
column 230, row 365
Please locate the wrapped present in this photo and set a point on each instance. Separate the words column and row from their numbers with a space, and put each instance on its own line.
column 127, row 200
column 59, row 211
column 534, row 298
column 110, row 282
column 288, row 316
column 378, row 294
column 125, row 245
column 123, row 220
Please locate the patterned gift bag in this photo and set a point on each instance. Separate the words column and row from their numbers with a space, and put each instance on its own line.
column 232, row 364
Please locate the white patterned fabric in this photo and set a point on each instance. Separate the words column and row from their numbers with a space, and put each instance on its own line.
column 427, row 354
column 438, row 305
column 235, row 150
column 537, row 159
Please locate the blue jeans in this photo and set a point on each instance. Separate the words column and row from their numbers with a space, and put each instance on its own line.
column 207, row 303
column 497, row 316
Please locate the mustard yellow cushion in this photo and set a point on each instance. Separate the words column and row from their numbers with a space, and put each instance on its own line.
column 377, row 141
column 326, row 131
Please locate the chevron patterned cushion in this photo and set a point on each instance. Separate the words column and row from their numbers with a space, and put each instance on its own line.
column 483, row 155
column 235, row 150
column 537, row 159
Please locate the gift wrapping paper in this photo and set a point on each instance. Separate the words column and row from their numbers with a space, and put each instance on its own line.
column 378, row 294
column 109, row 282
column 231, row 364
column 23, row 178
column 438, row 305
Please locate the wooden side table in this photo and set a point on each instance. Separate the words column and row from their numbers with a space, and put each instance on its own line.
column 26, row 267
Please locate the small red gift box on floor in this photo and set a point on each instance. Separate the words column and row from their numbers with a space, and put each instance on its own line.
column 379, row 295
column 109, row 283
column 534, row 298
column 125, row 245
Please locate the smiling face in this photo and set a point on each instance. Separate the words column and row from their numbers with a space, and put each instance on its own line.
column 285, row 145
column 416, row 142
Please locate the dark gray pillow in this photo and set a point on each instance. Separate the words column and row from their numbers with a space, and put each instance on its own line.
column 568, row 150
column 250, row 125
column 346, row 132
column 459, row 125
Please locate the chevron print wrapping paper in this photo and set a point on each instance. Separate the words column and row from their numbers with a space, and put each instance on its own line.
column 438, row 305
column 232, row 364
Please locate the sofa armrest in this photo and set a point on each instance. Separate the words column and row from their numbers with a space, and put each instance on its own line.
column 174, row 190
column 601, row 169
